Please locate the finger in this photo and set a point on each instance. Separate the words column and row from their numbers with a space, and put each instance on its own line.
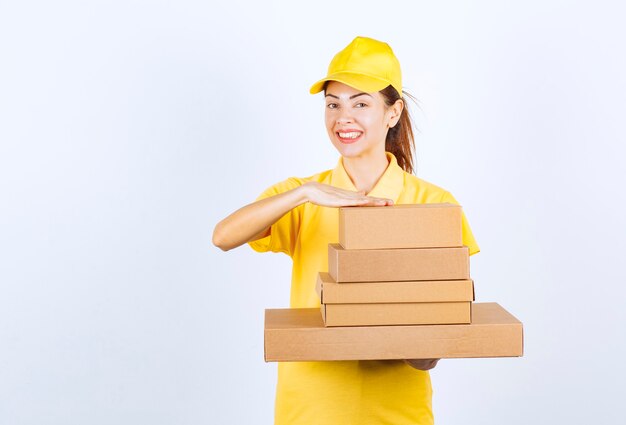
column 362, row 202
column 350, row 202
column 385, row 200
column 422, row 364
column 432, row 363
column 377, row 201
column 368, row 203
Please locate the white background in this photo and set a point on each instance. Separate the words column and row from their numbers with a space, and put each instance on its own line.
column 128, row 129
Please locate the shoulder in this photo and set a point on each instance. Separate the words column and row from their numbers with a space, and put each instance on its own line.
column 424, row 191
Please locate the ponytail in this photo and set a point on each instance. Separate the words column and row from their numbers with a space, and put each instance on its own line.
column 400, row 141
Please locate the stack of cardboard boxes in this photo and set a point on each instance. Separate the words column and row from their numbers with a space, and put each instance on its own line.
column 401, row 265
column 397, row 287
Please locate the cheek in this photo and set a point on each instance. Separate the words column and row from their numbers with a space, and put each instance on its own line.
column 329, row 126
column 371, row 122
column 330, row 122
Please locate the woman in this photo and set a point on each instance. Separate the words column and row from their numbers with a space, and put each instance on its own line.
column 368, row 123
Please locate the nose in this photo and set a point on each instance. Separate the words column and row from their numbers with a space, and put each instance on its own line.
column 344, row 117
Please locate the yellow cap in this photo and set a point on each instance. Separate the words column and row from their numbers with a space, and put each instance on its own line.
column 365, row 64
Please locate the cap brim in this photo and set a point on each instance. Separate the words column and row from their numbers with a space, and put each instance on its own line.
column 365, row 83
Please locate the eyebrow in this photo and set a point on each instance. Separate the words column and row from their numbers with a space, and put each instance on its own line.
column 351, row 97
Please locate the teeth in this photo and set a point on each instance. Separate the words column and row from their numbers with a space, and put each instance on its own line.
column 351, row 135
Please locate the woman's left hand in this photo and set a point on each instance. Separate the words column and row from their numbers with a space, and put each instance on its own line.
column 422, row 364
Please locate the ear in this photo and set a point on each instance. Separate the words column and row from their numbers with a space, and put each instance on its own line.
column 395, row 111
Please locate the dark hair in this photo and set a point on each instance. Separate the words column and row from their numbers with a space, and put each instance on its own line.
column 400, row 141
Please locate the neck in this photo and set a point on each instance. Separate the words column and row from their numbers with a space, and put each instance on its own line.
column 365, row 171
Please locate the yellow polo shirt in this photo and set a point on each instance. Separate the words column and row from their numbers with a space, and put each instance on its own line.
column 345, row 392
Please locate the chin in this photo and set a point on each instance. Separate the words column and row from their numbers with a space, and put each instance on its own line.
column 348, row 151
column 353, row 151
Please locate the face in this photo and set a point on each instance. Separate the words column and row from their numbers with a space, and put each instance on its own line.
column 357, row 123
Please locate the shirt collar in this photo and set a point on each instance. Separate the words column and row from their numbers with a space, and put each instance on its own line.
column 389, row 185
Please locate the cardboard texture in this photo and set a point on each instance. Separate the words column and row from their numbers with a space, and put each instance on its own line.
column 300, row 335
column 331, row 292
column 380, row 265
column 377, row 314
column 401, row 226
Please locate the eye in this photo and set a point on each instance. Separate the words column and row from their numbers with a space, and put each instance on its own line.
column 360, row 103
column 331, row 106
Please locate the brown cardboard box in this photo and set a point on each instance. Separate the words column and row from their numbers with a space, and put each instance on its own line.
column 401, row 226
column 379, row 314
column 331, row 292
column 300, row 335
column 379, row 265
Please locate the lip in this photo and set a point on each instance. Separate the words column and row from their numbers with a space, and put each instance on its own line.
column 348, row 130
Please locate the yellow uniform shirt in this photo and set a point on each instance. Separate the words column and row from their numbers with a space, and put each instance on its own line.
column 345, row 392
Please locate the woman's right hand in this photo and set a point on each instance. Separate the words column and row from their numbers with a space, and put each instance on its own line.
column 254, row 220
column 329, row 196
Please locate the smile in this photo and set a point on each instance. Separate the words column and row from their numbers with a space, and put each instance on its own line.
column 349, row 137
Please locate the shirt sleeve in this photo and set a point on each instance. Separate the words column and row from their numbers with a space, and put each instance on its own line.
column 468, row 236
column 284, row 232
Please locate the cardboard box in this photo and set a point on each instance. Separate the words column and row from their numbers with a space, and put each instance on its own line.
column 331, row 292
column 379, row 314
column 384, row 265
column 300, row 335
column 401, row 226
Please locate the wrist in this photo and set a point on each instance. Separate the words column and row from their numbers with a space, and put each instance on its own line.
column 301, row 194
